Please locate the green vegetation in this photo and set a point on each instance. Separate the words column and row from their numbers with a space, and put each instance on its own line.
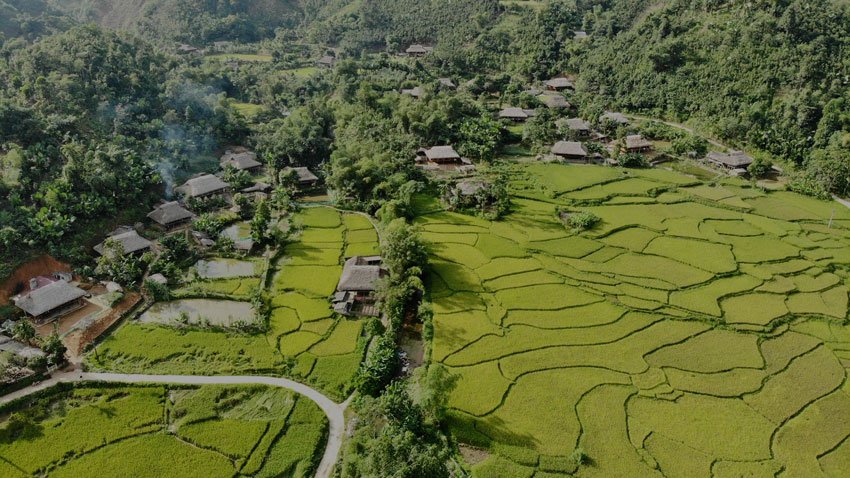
column 213, row 430
column 554, row 353
column 303, row 338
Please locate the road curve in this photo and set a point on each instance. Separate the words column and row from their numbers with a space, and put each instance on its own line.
column 334, row 411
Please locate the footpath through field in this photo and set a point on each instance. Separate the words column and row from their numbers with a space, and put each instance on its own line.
column 334, row 411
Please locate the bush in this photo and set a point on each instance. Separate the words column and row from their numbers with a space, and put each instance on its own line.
column 582, row 220
column 378, row 369
column 632, row 160
column 760, row 166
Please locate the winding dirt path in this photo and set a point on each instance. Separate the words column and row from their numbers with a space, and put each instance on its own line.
column 334, row 411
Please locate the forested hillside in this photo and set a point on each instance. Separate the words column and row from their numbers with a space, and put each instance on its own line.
column 193, row 21
column 86, row 118
column 396, row 23
column 768, row 74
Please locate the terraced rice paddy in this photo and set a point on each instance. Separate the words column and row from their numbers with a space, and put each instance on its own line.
column 304, row 339
column 697, row 330
column 155, row 431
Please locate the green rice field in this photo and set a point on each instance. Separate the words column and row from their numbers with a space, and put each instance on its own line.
column 697, row 330
column 304, row 338
column 154, row 431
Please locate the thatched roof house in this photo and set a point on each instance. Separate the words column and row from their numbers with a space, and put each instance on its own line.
column 470, row 187
column 244, row 161
column 415, row 92
column 615, row 117
column 554, row 101
column 558, row 84
column 184, row 48
column 326, row 61
column 731, row 160
column 448, row 83
column 636, row 143
column 361, row 274
column 517, row 114
column 170, row 214
column 305, row 176
column 418, row 50
column 56, row 298
column 569, row 150
column 442, row 154
column 204, row 185
column 130, row 240
column 577, row 125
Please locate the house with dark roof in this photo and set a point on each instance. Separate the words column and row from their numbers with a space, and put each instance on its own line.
column 447, row 83
column 130, row 240
column 185, row 49
column 572, row 151
column 731, row 160
column 517, row 115
column 204, row 185
column 326, row 61
column 51, row 301
column 576, row 125
column 360, row 278
column 636, row 143
column 558, row 84
column 618, row 118
column 442, row 160
column 417, row 50
column 170, row 215
column 554, row 101
column 305, row 176
column 415, row 92
column 470, row 187
column 243, row 161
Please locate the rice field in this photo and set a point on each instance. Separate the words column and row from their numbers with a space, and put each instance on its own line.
column 697, row 330
column 213, row 431
column 304, row 338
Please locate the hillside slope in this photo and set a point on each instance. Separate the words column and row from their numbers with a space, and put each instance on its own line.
column 772, row 74
column 193, row 21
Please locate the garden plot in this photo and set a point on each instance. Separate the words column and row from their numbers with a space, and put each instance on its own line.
column 657, row 341
column 214, row 431
column 303, row 339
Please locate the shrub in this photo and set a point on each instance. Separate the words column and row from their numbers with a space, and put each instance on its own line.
column 582, row 220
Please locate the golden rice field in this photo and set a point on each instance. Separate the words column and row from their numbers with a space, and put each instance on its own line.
column 698, row 330
column 156, row 431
